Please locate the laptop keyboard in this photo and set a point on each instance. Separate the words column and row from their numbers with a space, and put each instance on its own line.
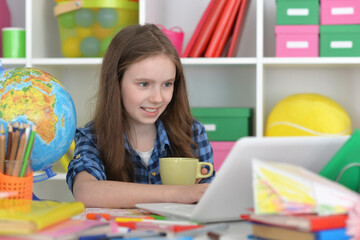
column 187, row 209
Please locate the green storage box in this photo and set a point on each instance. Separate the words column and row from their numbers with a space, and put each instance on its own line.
column 344, row 167
column 339, row 40
column 297, row 12
column 224, row 124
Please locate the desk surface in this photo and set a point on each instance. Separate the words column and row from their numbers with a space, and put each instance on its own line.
column 236, row 230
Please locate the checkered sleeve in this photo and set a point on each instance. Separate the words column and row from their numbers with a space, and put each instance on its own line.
column 205, row 149
column 86, row 157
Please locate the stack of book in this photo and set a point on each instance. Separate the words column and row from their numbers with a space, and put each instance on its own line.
column 298, row 227
column 219, row 26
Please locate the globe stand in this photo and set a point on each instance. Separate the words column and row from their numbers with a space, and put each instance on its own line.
column 49, row 173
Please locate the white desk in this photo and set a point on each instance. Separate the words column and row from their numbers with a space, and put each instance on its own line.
column 236, row 231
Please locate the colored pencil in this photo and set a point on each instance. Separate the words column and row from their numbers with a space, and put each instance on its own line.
column 2, row 149
column 9, row 140
column 28, row 151
column 19, row 156
column 14, row 147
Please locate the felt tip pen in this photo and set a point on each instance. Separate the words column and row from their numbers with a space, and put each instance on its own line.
column 171, row 222
column 133, row 234
column 204, row 230
column 164, row 227
column 152, row 226
column 108, row 217
column 163, row 238
column 157, row 217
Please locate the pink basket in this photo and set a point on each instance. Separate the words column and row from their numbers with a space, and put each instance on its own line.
column 175, row 35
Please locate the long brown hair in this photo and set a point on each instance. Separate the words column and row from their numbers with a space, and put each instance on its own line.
column 130, row 45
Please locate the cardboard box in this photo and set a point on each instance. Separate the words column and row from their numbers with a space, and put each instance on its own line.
column 220, row 152
column 337, row 12
column 297, row 12
column 340, row 40
column 297, row 41
column 224, row 124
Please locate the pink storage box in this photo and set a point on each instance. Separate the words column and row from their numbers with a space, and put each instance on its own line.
column 220, row 152
column 297, row 40
column 337, row 12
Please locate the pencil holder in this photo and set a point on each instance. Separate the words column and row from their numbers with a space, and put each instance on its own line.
column 175, row 35
column 21, row 186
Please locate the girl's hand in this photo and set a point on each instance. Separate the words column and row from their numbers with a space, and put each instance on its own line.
column 204, row 171
column 190, row 193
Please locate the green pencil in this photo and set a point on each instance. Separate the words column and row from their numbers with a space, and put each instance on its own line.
column 28, row 151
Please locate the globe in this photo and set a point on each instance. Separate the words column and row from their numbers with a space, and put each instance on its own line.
column 30, row 95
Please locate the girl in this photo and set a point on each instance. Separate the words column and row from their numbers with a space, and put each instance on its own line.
column 142, row 114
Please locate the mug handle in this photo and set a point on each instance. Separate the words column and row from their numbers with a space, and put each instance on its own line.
column 200, row 164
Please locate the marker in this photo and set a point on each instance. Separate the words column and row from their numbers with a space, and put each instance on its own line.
column 157, row 226
column 157, row 217
column 133, row 234
column 205, row 229
column 108, row 217
column 183, row 223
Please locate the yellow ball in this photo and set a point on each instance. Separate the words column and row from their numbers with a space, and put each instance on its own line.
column 100, row 32
column 83, row 32
column 308, row 115
column 71, row 47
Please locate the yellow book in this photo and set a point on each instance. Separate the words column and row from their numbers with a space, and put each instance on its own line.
column 18, row 216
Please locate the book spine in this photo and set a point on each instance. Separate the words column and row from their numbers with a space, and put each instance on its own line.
column 328, row 222
column 332, row 234
column 224, row 21
column 208, row 29
column 198, row 28
column 225, row 37
column 237, row 27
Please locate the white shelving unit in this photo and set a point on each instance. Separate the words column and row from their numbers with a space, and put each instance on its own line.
column 254, row 78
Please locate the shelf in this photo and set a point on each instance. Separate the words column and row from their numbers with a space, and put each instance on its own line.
column 218, row 61
column 13, row 61
column 185, row 61
column 311, row 61
column 66, row 61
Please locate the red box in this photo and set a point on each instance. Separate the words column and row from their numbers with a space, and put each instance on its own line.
column 339, row 12
column 297, row 40
column 220, row 152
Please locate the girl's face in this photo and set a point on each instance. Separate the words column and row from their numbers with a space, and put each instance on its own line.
column 147, row 88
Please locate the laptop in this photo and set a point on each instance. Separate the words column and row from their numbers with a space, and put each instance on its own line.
column 230, row 193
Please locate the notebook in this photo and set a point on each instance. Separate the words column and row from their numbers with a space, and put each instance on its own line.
column 230, row 193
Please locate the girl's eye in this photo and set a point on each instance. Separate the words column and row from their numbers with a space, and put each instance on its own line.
column 168, row 84
column 143, row 84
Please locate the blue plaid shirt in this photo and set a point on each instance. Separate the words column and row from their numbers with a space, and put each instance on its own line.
column 86, row 155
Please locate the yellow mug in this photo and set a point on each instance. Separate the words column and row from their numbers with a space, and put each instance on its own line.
column 182, row 171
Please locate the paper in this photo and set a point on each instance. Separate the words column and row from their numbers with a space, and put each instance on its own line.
column 285, row 188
